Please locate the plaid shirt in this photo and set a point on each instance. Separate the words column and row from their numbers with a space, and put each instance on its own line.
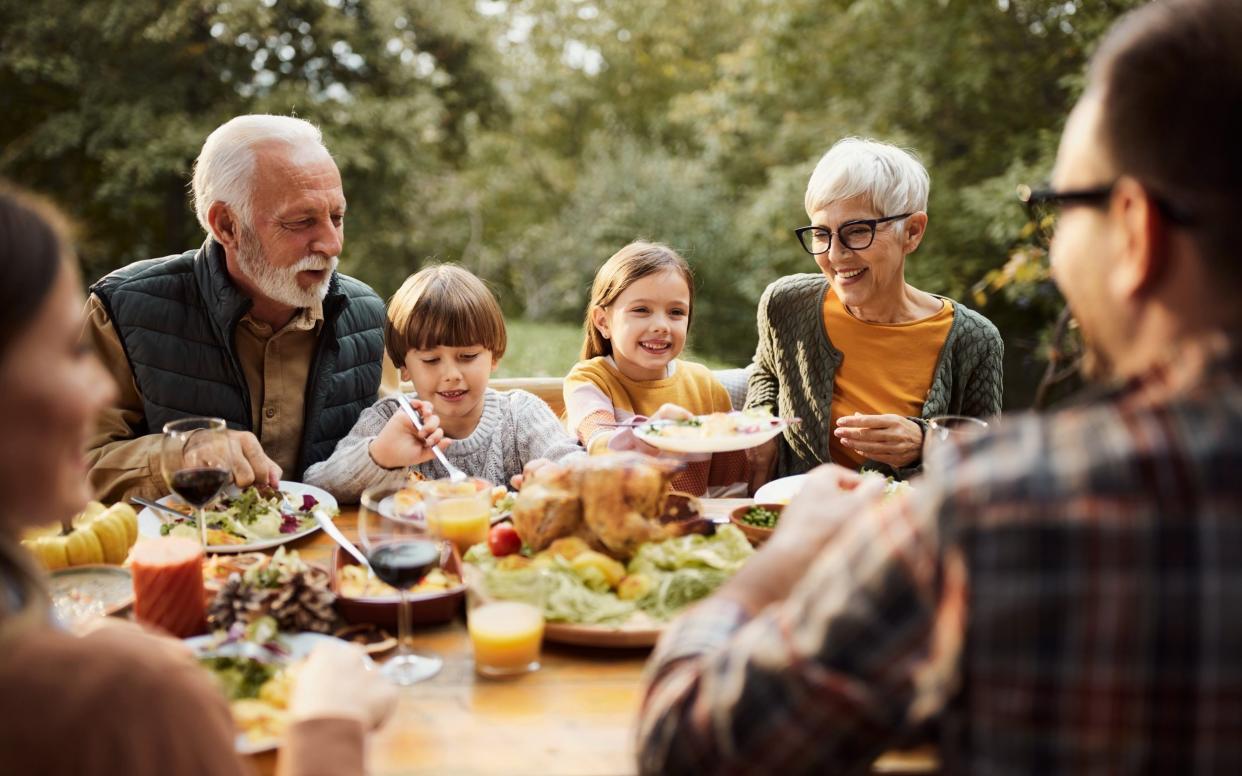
column 1068, row 598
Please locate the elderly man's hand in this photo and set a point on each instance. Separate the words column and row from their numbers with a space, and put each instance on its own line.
column 831, row 495
column 889, row 439
column 250, row 464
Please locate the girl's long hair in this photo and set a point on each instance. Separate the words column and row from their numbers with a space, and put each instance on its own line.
column 628, row 265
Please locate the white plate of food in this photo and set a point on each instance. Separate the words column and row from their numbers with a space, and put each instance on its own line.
column 247, row 521
column 780, row 491
column 81, row 594
column 719, row 432
column 258, row 682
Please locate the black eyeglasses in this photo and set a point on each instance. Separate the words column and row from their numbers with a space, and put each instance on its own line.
column 855, row 235
column 1045, row 206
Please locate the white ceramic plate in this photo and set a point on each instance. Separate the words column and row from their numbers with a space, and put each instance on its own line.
column 299, row 646
column 149, row 523
column 780, row 491
column 690, row 442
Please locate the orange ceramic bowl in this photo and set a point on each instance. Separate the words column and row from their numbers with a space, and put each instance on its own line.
column 757, row 534
column 425, row 608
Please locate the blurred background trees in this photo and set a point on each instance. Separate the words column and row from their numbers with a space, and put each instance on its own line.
column 530, row 139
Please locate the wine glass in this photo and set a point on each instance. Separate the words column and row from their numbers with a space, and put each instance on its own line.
column 944, row 431
column 196, row 461
column 395, row 539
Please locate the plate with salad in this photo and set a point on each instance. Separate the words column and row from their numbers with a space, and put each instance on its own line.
column 719, row 432
column 256, row 668
column 594, row 600
column 246, row 520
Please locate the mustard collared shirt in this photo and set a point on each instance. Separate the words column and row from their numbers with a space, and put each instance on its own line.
column 275, row 363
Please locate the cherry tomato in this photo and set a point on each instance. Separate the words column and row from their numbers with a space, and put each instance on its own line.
column 503, row 540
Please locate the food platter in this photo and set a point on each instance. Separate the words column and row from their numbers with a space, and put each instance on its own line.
column 82, row 593
column 615, row 636
column 780, row 491
column 149, row 522
column 717, row 433
column 298, row 645
column 426, row 608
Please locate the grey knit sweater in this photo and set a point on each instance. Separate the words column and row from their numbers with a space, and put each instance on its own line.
column 515, row 427
column 796, row 363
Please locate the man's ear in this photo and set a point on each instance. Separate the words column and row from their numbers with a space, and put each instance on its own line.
column 1141, row 232
column 404, row 374
column 224, row 225
column 915, row 227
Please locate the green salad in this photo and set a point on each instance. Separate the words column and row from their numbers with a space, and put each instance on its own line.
column 586, row 587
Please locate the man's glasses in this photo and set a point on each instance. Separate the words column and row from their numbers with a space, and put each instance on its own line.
column 855, row 235
column 1045, row 206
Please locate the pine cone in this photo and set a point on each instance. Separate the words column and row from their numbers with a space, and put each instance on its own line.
column 298, row 599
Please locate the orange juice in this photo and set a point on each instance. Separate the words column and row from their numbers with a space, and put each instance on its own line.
column 462, row 521
column 506, row 637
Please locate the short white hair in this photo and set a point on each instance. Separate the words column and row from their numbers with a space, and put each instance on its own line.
column 224, row 170
column 893, row 179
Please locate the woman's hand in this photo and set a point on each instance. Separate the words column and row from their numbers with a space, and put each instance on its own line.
column 528, row 471
column 762, row 460
column 336, row 682
column 890, row 439
column 400, row 444
column 672, row 412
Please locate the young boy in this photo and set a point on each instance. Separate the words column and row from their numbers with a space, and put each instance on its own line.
column 446, row 332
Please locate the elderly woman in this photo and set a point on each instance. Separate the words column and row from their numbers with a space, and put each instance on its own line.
column 859, row 354
column 119, row 699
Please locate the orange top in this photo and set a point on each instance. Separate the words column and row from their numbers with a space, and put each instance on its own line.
column 887, row 367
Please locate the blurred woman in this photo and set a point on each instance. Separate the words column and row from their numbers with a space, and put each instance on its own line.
column 117, row 700
column 856, row 352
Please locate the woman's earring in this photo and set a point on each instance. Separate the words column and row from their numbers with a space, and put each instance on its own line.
column 604, row 334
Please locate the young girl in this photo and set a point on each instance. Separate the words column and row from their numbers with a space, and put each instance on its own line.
column 446, row 332
column 636, row 326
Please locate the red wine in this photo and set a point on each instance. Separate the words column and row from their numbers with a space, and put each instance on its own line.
column 403, row 562
column 200, row 485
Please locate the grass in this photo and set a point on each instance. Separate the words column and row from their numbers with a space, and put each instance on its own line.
column 543, row 349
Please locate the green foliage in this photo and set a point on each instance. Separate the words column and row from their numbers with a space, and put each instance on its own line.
column 530, row 139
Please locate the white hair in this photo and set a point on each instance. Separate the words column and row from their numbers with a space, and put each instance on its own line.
column 224, row 170
column 892, row 178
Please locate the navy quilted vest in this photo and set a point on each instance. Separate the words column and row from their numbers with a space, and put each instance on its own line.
column 176, row 318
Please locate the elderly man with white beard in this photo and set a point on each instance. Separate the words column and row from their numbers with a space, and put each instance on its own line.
column 255, row 327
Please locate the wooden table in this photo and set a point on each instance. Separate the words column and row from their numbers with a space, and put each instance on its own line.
column 573, row 716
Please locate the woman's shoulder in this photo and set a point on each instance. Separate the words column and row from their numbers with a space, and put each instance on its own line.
column 973, row 327
column 791, row 288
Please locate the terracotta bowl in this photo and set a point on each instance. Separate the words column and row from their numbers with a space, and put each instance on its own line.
column 425, row 608
column 756, row 534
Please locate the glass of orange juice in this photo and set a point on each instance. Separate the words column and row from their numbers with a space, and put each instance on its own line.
column 458, row 512
column 505, row 626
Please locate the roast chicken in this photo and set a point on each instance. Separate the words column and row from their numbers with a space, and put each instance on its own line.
column 613, row 502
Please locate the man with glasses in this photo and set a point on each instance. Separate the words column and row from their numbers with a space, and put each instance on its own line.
column 1064, row 594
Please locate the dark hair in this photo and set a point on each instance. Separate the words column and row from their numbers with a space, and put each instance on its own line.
column 632, row 263
column 443, row 304
column 33, row 247
column 1169, row 76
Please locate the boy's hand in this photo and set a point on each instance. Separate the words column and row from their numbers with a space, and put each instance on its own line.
column 399, row 444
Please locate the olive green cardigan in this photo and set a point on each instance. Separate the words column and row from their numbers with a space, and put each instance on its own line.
column 795, row 365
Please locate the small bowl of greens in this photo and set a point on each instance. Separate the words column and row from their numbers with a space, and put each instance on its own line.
column 757, row 521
